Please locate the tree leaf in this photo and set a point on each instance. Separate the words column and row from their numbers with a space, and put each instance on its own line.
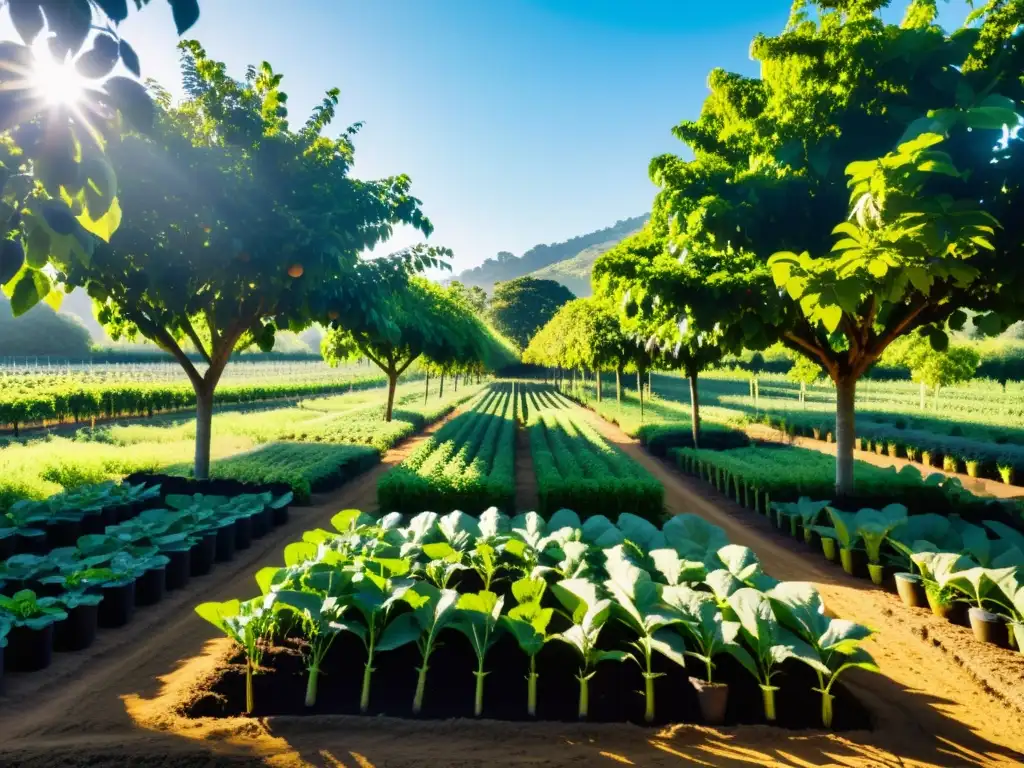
column 186, row 13
column 105, row 226
column 132, row 101
column 27, row 18
column 129, row 58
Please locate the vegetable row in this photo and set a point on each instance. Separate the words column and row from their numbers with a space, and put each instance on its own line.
column 57, row 600
column 945, row 563
column 576, row 467
column 469, row 463
column 680, row 592
column 785, row 473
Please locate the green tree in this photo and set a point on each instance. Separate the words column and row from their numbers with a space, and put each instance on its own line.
column 421, row 320
column 473, row 295
column 857, row 174
column 55, row 179
column 237, row 226
column 520, row 307
column 930, row 367
column 805, row 370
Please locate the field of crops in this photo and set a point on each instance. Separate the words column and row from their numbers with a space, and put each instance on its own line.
column 136, row 390
column 516, row 617
column 468, row 464
column 576, row 467
column 38, row 468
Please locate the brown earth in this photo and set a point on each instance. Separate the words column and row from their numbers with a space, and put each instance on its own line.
column 942, row 698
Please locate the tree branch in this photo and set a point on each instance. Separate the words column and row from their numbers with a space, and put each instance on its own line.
column 407, row 364
column 799, row 344
column 190, row 331
column 164, row 339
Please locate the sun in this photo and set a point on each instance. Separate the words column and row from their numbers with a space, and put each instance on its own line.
column 58, row 83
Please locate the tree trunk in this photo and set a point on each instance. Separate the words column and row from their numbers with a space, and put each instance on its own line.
column 440, row 391
column 204, row 425
column 695, row 409
column 597, row 382
column 426, row 391
column 640, row 389
column 922, row 395
column 456, row 382
column 392, row 385
column 846, row 432
column 618, row 385
column 803, row 394
column 650, row 382
column 936, row 404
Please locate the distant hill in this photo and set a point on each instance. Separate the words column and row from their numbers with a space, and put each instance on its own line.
column 41, row 332
column 506, row 266
column 574, row 273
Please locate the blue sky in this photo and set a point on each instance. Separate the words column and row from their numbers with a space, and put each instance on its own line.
column 519, row 121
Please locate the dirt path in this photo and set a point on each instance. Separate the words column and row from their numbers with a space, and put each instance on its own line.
column 526, row 482
column 116, row 705
column 979, row 486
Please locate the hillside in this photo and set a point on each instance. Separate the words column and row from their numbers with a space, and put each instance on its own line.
column 506, row 266
column 574, row 273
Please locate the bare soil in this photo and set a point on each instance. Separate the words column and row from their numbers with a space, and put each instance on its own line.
column 942, row 699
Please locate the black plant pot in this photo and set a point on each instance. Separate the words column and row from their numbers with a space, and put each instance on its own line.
column 44, row 589
column 149, row 587
column 110, row 515
column 243, row 533
column 63, row 533
column 280, row 515
column 78, row 631
column 225, row 543
column 261, row 523
column 118, row 605
column 6, row 547
column 94, row 522
column 125, row 512
column 33, row 543
column 202, row 554
column 29, row 650
column 179, row 569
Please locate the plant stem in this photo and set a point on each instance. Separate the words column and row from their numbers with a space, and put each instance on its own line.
column 478, row 701
column 421, row 685
column 531, row 688
column 314, row 672
column 768, row 694
column 708, row 662
column 248, row 687
column 364, row 699
column 584, row 697
column 826, row 708
column 649, row 697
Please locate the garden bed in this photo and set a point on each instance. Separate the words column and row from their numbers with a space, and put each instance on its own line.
column 616, row 692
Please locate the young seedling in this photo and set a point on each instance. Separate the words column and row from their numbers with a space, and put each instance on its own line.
column 321, row 618
column 639, row 606
column 247, row 623
column 589, row 613
column 433, row 609
column 528, row 624
column 477, row 619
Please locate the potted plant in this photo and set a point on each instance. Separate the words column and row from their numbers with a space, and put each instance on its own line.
column 30, row 641
column 981, row 586
column 1006, row 469
column 79, row 630
column 844, row 534
column 911, row 451
column 937, row 568
column 5, row 628
column 704, row 626
column 873, row 526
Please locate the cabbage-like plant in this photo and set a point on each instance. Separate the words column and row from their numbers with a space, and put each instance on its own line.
column 477, row 619
column 639, row 606
column 373, row 597
column 835, row 642
column 803, row 510
column 843, row 532
column 433, row 609
column 641, row 532
column 528, row 623
column 873, row 526
column 981, row 585
column 28, row 610
column 923, row 533
column 703, row 626
column 743, row 564
column 769, row 642
column 320, row 617
column 676, row 570
column 441, row 571
column 459, row 530
column 484, row 560
column 248, row 623
column 420, row 530
column 694, row 538
column 1011, row 605
column 588, row 613
column 569, row 558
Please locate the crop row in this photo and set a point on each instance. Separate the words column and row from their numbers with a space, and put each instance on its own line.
column 467, row 464
column 66, row 401
column 944, row 563
column 757, row 475
column 577, row 468
column 58, row 600
column 429, row 613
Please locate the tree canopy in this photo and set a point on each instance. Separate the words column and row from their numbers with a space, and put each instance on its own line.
column 53, row 168
column 420, row 320
column 237, row 225
column 859, row 189
column 520, row 307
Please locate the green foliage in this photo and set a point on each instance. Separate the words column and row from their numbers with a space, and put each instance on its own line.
column 956, row 364
column 519, row 307
column 57, row 185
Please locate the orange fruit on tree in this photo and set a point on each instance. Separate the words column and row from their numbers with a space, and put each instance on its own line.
column 295, row 270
